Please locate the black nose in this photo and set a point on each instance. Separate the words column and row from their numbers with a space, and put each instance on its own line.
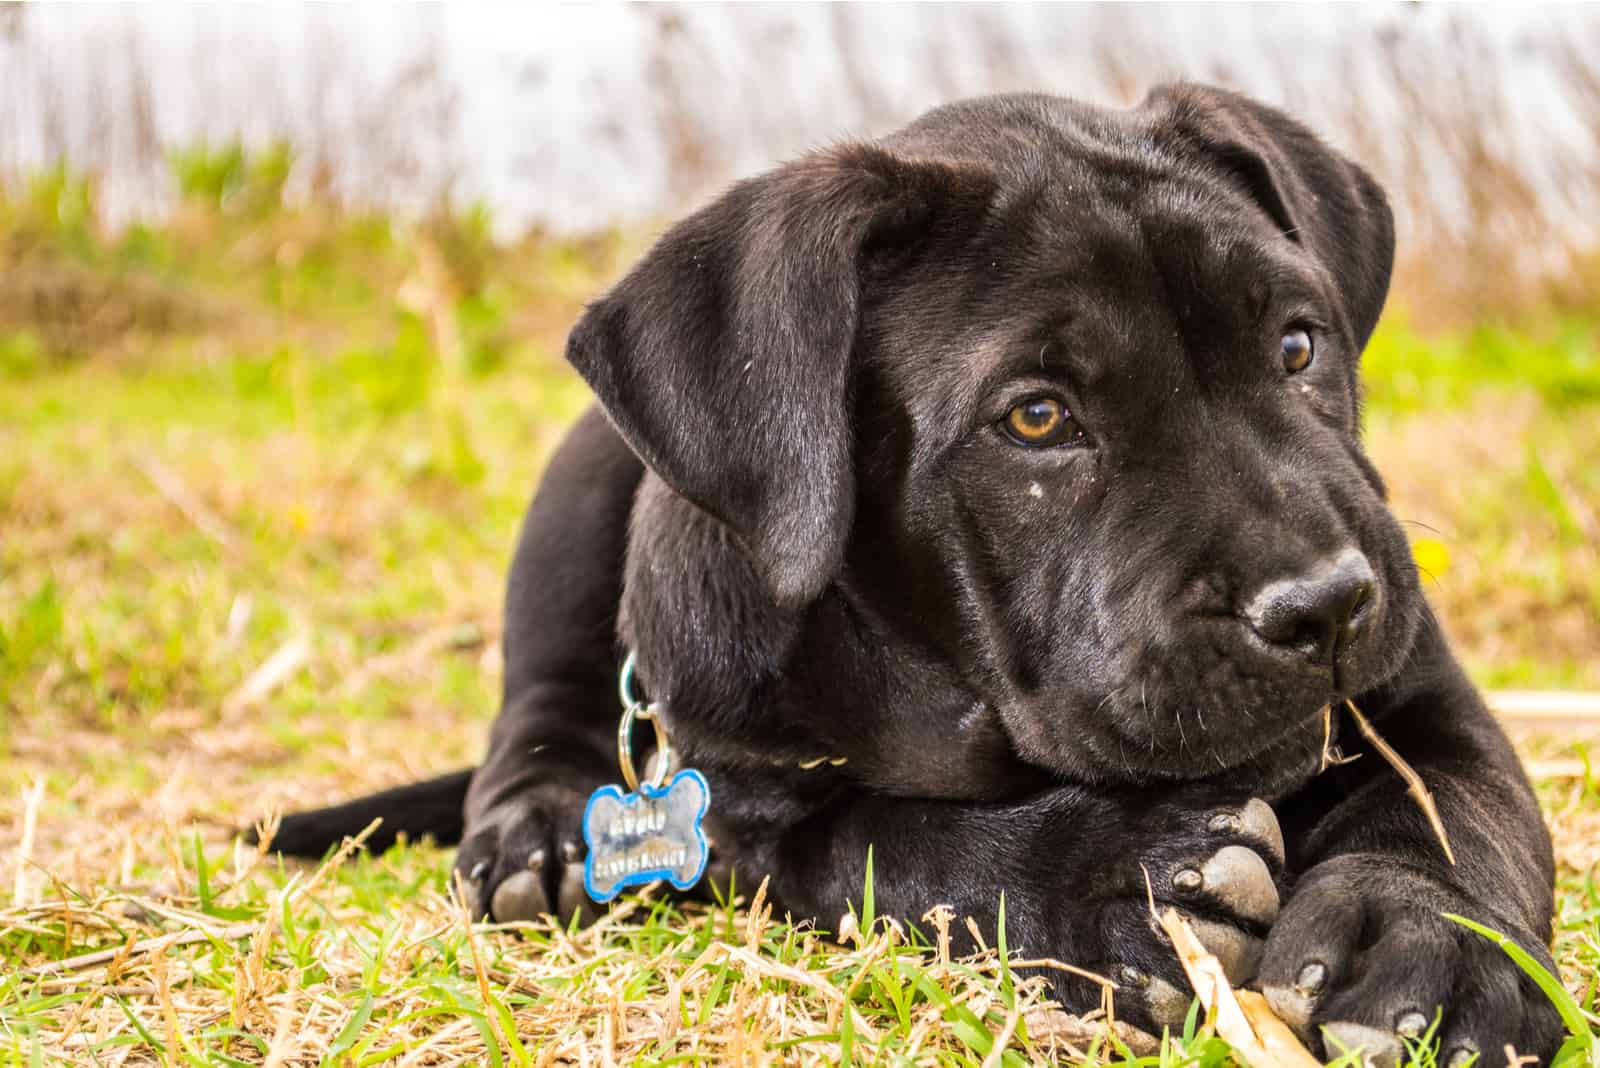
column 1317, row 611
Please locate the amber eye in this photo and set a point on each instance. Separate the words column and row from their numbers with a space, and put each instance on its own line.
column 1296, row 349
column 1039, row 422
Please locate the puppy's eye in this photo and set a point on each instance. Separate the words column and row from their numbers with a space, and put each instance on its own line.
column 1041, row 421
column 1296, row 349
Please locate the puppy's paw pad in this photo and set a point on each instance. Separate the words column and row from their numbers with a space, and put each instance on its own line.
column 1255, row 822
column 1237, row 951
column 1216, row 864
column 572, row 894
column 1166, row 1005
column 516, row 861
column 1295, row 1004
column 1258, row 821
column 519, row 899
column 1237, row 879
column 1379, row 1049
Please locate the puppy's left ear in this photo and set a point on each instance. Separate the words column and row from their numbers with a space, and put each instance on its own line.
column 724, row 357
column 1317, row 197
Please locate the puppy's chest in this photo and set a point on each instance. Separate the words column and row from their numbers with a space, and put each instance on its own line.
column 818, row 740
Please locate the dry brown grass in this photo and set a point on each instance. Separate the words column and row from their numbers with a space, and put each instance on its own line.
column 711, row 985
column 1516, row 587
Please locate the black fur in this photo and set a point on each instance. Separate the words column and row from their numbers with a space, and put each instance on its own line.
column 431, row 808
column 1029, row 670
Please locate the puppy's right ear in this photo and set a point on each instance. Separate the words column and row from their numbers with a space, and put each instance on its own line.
column 1317, row 197
column 724, row 357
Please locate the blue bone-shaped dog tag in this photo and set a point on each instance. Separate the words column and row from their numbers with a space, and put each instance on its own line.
column 640, row 837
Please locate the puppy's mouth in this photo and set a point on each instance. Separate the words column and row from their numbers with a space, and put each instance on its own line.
column 1199, row 741
column 1122, row 738
column 1223, row 695
column 1159, row 725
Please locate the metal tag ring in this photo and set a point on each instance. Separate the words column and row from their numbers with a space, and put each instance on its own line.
column 632, row 709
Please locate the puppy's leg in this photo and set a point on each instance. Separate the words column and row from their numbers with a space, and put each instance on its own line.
column 555, row 738
column 1073, row 866
column 1363, row 952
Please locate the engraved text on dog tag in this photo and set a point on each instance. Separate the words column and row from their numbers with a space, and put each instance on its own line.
column 637, row 838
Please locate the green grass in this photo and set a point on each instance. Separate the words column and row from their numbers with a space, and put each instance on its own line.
column 255, row 426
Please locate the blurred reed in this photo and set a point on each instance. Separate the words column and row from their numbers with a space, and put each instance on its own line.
column 1485, row 130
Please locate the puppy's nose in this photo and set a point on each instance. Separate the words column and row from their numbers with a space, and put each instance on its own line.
column 1316, row 611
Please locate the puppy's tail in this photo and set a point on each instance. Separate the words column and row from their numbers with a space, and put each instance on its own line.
column 431, row 808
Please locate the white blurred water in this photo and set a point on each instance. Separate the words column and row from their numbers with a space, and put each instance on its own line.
column 574, row 116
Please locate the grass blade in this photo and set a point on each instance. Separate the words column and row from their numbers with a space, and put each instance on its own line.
column 1571, row 1013
column 868, row 903
column 352, row 1029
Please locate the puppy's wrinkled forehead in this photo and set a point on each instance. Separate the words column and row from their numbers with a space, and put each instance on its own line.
column 1136, row 274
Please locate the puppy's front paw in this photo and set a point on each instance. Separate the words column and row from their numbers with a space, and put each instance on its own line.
column 1363, row 957
column 1219, row 868
column 524, row 858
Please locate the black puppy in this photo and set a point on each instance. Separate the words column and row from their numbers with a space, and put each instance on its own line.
column 992, row 495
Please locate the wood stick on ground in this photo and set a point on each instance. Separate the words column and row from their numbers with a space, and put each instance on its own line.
column 177, row 492
column 146, row 945
column 1419, row 789
column 1552, row 706
column 1243, row 1019
column 273, row 672
column 1557, row 769
column 31, row 799
column 413, row 655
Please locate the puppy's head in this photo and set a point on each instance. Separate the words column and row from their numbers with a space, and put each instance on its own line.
column 1066, row 395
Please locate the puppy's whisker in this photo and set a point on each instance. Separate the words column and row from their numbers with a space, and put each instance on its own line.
column 1419, row 523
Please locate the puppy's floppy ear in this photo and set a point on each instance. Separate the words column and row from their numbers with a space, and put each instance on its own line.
column 724, row 356
column 1315, row 195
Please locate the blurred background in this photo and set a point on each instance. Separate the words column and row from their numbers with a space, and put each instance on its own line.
column 283, row 292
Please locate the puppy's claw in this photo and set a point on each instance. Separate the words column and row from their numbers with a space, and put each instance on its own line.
column 520, row 898
column 1379, row 1049
column 1293, row 1008
column 1463, row 1052
column 1312, row 976
column 1259, row 821
column 1188, row 880
column 1241, row 882
column 573, row 897
column 536, row 861
column 1168, row 1005
column 1224, row 823
column 570, row 853
column 479, row 870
